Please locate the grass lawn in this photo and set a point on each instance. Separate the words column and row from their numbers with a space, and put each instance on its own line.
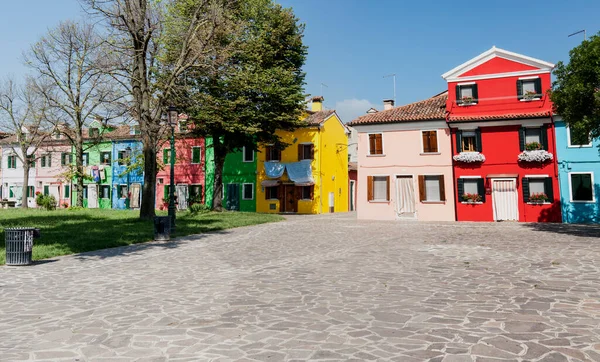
column 75, row 231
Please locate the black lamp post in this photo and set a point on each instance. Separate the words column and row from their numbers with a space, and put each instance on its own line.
column 128, row 158
column 172, row 116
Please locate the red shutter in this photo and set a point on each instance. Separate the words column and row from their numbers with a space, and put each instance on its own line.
column 369, row 188
column 433, row 141
column 442, row 188
column 422, row 191
column 425, row 136
column 379, row 144
column 387, row 180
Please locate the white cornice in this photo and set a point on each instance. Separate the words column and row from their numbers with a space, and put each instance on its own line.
column 491, row 54
column 466, row 125
column 498, row 75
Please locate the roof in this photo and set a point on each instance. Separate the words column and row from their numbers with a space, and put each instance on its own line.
column 491, row 117
column 317, row 118
column 430, row 109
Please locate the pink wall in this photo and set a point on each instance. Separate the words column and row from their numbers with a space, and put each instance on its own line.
column 55, row 174
column 403, row 156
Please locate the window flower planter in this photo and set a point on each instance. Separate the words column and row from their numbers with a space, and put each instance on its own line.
column 467, row 101
column 471, row 198
column 535, row 156
column 469, row 157
column 538, row 198
column 533, row 146
column 530, row 96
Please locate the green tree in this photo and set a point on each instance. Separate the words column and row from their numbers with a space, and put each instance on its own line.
column 576, row 90
column 257, row 87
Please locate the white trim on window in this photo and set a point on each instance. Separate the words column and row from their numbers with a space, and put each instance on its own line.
column 369, row 145
column 243, row 191
column 471, row 177
column 466, row 83
column 593, row 200
column 244, row 155
column 119, row 186
column 576, row 146
column 529, row 78
column 437, row 141
column 536, row 176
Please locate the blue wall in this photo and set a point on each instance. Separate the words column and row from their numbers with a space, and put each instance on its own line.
column 119, row 177
column 577, row 159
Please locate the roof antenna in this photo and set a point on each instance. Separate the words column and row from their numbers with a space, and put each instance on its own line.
column 323, row 85
column 578, row 32
column 393, row 75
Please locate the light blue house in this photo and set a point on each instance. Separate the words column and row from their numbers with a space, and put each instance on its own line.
column 126, row 185
column 579, row 174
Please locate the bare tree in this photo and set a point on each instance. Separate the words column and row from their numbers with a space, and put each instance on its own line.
column 153, row 63
column 23, row 114
column 70, row 65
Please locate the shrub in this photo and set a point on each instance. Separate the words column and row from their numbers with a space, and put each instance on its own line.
column 47, row 202
column 75, row 208
column 198, row 208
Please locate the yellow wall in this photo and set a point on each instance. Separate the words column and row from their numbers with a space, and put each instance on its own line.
column 330, row 167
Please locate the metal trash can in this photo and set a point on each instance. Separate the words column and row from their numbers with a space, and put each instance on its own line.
column 162, row 228
column 19, row 245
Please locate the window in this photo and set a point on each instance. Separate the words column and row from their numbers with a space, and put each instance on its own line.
column 529, row 89
column 121, row 158
column 12, row 161
column 66, row 159
column 533, row 139
column 532, row 135
column 430, row 144
column 195, row 193
column 470, row 189
column 581, row 187
column 46, row 190
column 85, row 192
column 466, row 94
column 307, row 192
column 30, row 191
column 86, row 159
column 273, row 153
column 105, row 158
column 578, row 137
column 183, row 126
column 123, row 192
column 94, row 132
column 271, row 192
column 468, row 141
column 167, row 156
column 537, row 188
column 195, row 155
column 431, row 188
column 248, row 192
column 166, row 192
column 56, row 135
column 66, row 192
column 376, row 144
column 248, row 154
column 378, row 188
column 104, row 191
column 136, row 130
column 306, row 151
column 46, row 160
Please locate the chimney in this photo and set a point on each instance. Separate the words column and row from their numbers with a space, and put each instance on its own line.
column 388, row 104
column 317, row 103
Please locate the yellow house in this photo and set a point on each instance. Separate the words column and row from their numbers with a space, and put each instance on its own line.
column 310, row 176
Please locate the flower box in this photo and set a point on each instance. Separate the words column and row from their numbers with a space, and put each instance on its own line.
column 465, row 101
column 530, row 95
column 471, row 198
column 538, row 198
column 469, row 157
column 535, row 156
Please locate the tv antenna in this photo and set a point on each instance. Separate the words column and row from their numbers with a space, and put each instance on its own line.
column 393, row 75
column 578, row 32
column 323, row 85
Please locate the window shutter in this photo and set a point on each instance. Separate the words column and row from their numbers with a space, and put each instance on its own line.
column 458, row 101
column 519, row 89
column 522, row 138
column 312, row 192
column 165, row 191
column 49, row 160
column 442, row 188
column 312, row 151
column 369, row 188
column 525, row 187
column 481, row 189
column 371, row 144
column 379, row 143
column 460, row 188
column 549, row 191
column 538, row 86
column 426, row 145
column 478, row 140
column 67, row 192
column 300, row 152
column 166, row 156
column 475, row 94
column 544, row 137
column 433, row 147
column 43, row 161
column 387, row 181
column 62, row 159
column 458, row 141
column 422, row 190
column 46, row 190
column 195, row 154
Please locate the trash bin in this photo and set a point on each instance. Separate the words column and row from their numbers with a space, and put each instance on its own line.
column 19, row 244
column 162, row 228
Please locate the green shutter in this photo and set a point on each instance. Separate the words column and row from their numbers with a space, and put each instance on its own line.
column 166, row 156
column 481, row 189
column 549, row 191
column 67, row 192
column 166, row 192
column 49, row 160
column 46, row 190
column 522, row 138
column 544, row 137
column 195, row 154
column 43, row 162
column 538, row 86
column 525, row 187
column 478, row 140
column 475, row 94
column 458, row 141
column 63, row 159
column 519, row 89
column 460, row 187
column 458, row 101
column 10, row 192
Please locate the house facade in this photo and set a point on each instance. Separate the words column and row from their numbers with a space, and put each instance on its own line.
column 127, row 174
column 12, row 174
column 53, row 165
column 503, row 139
column 404, row 163
column 578, row 173
column 310, row 176
column 239, row 180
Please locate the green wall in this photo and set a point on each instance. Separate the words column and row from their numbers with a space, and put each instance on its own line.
column 236, row 171
column 94, row 160
column 209, row 172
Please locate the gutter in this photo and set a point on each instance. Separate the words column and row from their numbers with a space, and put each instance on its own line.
column 454, row 194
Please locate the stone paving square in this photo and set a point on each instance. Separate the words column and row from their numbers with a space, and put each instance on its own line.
column 326, row 288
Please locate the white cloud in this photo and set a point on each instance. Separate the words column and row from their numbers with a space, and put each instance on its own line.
column 350, row 109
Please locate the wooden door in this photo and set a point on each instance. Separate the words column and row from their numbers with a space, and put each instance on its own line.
column 290, row 199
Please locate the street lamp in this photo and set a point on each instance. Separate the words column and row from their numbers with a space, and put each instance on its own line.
column 128, row 158
column 172, row 116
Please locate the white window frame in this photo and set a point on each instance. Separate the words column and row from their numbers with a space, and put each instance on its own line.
column 8, row 157
column 119, row 191
column 244, row 155
column 576, row 146
column 466, row 84
column 100, row 197
column 382, row 145
column 533, row 78
column 593, row 200
column 192, row 156
column 437, row 140
column 471, row 178
column 244, row 187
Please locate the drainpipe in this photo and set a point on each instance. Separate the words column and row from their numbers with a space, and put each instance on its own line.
column 455, row 197
column 320, row 172
column 554, row 146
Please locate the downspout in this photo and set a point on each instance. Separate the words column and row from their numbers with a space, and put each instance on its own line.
column 452, row 166
column 320, row 172
column 556, row 177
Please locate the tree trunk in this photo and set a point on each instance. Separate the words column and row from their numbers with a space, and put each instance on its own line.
column 147, row 207
column 219, row 156
column 26, row 166
column 79, row 170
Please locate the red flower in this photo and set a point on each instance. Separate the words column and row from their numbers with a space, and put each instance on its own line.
column 37, row 192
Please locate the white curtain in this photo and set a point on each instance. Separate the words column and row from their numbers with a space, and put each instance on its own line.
column 432, row 188
column 380, row 188
column 405, row 196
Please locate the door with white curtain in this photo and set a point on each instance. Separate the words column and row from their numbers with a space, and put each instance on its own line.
column 92, row 196
column 405, row 197
column 505, row 199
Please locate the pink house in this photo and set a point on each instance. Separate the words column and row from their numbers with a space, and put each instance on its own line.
column 404, row 162
column 51, row 168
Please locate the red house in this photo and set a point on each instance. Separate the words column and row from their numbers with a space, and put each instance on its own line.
column 500, row 117
column 189, row 169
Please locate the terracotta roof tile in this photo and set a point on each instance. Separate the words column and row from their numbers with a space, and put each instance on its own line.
column 316, row 118
column 491, row 117
column 430, row 109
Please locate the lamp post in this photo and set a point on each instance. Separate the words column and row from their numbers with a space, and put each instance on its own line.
column 172, row 116
column 128, row 158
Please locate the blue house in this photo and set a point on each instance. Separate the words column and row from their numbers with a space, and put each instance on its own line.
column 127, row 180
column 578, row 174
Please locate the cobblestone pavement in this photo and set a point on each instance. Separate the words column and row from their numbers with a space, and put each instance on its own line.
column 316, row 288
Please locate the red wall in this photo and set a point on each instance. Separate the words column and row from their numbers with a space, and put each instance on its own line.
column 497, row 65
column 185, row 171
column 353, row 175
column 500, row 145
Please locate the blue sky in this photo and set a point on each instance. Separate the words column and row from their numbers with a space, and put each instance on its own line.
column 354, row 43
